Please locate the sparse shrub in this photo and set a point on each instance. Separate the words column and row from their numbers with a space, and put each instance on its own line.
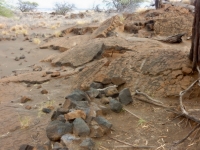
column 62, row 8
column 123, row 5
column 2, row 26
column 36, row 41
column 24, row 121
column 5, row 32
column 27, row 6
column 57, row 33
column 5, row 9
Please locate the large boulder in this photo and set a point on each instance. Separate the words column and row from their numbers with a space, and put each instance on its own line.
column 125, row 96
column 80, row 54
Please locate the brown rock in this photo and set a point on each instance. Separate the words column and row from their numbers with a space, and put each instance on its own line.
column 44, row 91
column 107, row 26
column 111, row 91
column 55, row 74
column 75, row 114
column 25, row 99
column 176, row 73
column 105, row 100
column 102, row 79
column 117, row 81
column 28, row 107
column 96, row 131
column 186, row 70
column 26, row 147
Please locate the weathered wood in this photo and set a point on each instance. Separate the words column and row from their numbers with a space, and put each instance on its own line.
column 195, row 48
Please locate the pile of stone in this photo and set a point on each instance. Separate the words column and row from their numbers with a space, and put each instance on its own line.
column 82, row 116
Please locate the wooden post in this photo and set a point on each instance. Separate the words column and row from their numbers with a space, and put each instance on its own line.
column 194, row 55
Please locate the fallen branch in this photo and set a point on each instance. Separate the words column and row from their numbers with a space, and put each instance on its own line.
column 147, row 96
column 132, row 113
column 181, row 141
column 133, row 146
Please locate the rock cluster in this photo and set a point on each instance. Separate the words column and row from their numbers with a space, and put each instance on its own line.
column 82, row 116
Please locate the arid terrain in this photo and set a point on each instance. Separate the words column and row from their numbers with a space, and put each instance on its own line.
column 48, row 61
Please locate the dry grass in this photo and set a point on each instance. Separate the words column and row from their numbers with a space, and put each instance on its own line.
column 36, row 41
column 24, row 121
column 2, row 26
column 55, row 26
column 57, row 33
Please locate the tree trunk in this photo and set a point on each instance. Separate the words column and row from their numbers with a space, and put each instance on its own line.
column 194, row 55
column 158, row 4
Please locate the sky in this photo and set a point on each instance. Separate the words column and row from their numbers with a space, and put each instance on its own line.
column 80, row 4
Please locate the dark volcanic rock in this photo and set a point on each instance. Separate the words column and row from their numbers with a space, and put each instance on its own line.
column 103, row 123
column 56, row 129
column 96, row 85
column 77, row 95
column 69, row 140
column 96, row 131
column 80, row 127
column 93, row 93
column 88, row 144
column 125, row 96
column 46, row 110
column 115, row 106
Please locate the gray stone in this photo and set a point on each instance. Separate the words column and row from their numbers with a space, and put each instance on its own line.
column 69, row 140
column 93, row 93
column 96, row 85
column 80, row 127
column 46, row 110
column 103, row 122
column 111, row 91
column 56, row 129
column 87, row 144
column 22, row 57
column 125, row 96
column 77, row 95
column 115, row 106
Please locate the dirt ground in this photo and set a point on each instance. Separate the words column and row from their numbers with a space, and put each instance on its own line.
column 154, row 127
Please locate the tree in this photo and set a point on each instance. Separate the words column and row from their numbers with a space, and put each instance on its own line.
column 158, row 4
column 63, row 7
column 5, row 9
column 26, row 6
column 194, row 55
column 123, row 5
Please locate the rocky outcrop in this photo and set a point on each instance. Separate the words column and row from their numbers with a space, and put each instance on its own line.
column 107, row 26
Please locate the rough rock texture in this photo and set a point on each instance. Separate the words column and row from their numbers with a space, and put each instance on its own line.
column 79, row 55
column 115, row 106
column 56, row 129
column 107, row 26
column 103, row 123
column 87, row 144
column 125, row 96
column 65, row 43
column 80, row 127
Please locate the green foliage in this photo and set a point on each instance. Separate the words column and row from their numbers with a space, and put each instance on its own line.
column 62, row 8
column 4, row 9
column 26, row 6
column 123, row 5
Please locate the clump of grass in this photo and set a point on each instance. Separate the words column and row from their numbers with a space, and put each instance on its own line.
column 16, row 27
column 36, row 41
column 141, row 122
column 122, row 19
column 57, row 33
column 49, row 104
column 4, row 32
column 24, row 121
